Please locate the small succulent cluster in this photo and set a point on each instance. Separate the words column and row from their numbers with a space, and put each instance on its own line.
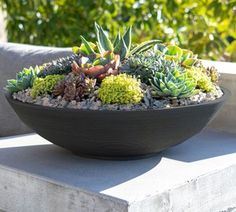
column 213, row 73
column 174, row 53
column 42, row 86
column 114, row 72
column 123, row 89
column 145, row 64
column 203, row 81
column 173, row 84
column 59, row 66
column 24, row 80
column 74, row 87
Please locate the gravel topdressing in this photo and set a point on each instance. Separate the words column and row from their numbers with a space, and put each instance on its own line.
column 93, row 103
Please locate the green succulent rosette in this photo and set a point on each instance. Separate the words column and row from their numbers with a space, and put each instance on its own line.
column 173, row 84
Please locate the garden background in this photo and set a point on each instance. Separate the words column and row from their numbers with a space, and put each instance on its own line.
column 208, row 27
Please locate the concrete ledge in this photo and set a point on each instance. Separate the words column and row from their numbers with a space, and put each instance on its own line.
column 25, row 192
column 226, row 118
column 198, row 175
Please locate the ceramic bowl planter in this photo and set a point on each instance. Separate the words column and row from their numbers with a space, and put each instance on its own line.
column 111, row 100
column 117, row 134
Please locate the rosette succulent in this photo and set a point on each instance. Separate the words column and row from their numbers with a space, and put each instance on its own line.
column 145, row 64
column 24, row 80
column 173, row 84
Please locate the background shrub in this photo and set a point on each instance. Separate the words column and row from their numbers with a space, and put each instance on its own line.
column 208, row 27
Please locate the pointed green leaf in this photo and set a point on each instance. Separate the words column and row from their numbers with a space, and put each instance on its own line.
column 118, row 47
column 87, row 45
column 143, row 46
column 100, row 47
column 103, row 39
column 121, row 49
column 117, row 40
column 124, row 49
column 127, row 38
column 83, row 49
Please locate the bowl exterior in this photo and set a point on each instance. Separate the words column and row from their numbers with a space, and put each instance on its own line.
column 116, row 134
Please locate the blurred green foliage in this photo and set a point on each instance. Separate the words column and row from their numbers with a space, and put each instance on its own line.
column 208, row 27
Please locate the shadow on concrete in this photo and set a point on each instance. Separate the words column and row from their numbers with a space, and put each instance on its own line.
column 205, row 145
column 97, row 175
column 61, row 165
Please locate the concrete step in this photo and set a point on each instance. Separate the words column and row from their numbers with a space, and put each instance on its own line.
column 198, row 175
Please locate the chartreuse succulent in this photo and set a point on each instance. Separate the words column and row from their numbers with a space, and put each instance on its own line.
column 121, row 89
column 24, row 80
column 42, row 86
column 172, row 52
column 201, row 78
column 173, row 84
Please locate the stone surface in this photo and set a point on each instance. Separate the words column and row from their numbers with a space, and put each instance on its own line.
column 93, row 102
column 198, row 175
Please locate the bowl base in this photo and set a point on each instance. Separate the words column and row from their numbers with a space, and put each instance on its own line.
column 117, row 158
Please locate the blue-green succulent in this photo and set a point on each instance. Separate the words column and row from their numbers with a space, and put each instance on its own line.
column 173, row 84
column 24, row 80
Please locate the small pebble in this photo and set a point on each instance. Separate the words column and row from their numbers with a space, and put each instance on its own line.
column 93, row 103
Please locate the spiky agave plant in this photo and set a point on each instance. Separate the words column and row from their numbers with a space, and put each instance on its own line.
column 173, row 84
column 121, row 45
column 97, row 60
column 24, row 80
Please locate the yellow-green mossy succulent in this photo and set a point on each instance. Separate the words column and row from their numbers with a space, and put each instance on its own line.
column 121, row 89
column 203, row 81
column 45, row 85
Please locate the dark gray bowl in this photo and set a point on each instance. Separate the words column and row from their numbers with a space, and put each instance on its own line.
column 117, row 134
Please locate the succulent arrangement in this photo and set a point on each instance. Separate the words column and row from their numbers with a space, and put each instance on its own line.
column 115, row 72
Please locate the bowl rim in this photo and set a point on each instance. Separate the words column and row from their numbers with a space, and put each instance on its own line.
column 223, row 98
